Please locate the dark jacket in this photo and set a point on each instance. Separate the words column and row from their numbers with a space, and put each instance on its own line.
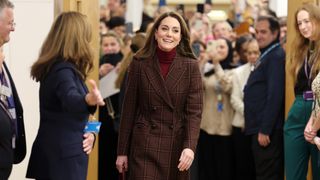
column 8, row 156
column 264, row 94
column 57, row 151
column 160, row 117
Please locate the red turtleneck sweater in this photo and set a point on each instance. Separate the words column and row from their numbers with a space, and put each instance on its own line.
column 165, row 60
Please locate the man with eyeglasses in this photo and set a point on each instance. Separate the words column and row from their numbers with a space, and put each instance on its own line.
column 12, row 133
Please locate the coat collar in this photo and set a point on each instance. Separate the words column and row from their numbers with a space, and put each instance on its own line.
column 163, row 86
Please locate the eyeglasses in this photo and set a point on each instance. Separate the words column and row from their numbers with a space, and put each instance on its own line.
column 12, row 24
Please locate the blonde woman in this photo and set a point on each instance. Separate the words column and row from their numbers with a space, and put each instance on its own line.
column 60, row 150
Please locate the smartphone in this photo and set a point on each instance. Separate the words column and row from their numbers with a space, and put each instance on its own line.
column 200, row 8
column 129, row 28
column 180, row 7
column 212, row 45
column 198, row 24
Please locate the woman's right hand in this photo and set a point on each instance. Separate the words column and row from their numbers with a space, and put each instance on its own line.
column 309, row 134
column 93, row 97
column 122, row 163
column 105, row 69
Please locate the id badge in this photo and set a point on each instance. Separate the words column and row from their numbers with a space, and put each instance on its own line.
column 93, row 127
column 308, row 95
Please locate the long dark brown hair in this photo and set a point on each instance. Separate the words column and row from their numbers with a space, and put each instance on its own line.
column 69, row 39
column 183, row 48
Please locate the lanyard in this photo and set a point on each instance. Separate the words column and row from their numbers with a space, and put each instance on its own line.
column 258, row 62
column 306, row 71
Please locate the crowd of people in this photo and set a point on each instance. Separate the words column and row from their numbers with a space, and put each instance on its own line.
column 197, row 99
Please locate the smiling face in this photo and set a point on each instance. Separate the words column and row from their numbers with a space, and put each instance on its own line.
column 264, row 34
column 304, row 24
column 168, row 34
column 6, row 24
column 222, row 48
column 110, row 45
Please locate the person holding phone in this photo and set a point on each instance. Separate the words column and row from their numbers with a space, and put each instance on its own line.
column 60, row 150
column 215, row 141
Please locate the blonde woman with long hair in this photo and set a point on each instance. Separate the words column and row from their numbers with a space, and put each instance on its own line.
column 60, row 150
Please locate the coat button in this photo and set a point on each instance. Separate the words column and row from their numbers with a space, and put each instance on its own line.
column 171, row 126
column 154, row 108
column 153, row 126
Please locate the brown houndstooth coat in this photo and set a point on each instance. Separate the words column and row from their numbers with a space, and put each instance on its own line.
column 160, row 118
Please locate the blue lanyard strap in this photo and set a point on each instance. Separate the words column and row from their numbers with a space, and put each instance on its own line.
column 265, row 53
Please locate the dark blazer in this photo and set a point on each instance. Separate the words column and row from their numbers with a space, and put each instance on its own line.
column 7, row 154
column 57, row 151
column 264, row 94
column 160, row 117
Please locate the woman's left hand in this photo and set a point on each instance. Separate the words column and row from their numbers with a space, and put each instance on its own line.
column 87, row 142
column 186, row 159
column 309, row 134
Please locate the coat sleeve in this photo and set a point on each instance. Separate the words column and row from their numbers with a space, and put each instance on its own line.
column 129, row 108
column 193, row 108
column 68, row 91
column 236, row 99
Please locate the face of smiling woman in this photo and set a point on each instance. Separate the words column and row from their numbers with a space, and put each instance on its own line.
column 168, row 34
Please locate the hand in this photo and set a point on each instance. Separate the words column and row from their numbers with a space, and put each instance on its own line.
column 186, row 159
column 105, row 69
column 94, row 96
column 316, row 141
column 87, row 142
column 263, row 139
column 118, row 67
column 309, row 134
column 214, row 56
column 122, row 163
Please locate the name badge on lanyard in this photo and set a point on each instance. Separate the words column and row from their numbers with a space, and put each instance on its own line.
column 4, row 90
column 308, row 95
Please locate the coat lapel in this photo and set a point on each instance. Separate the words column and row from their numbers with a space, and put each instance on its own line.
column 175, row 72
column 5, row 110
column 156, row 80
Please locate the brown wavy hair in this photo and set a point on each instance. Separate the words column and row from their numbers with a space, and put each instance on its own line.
column 301, row 45
column 69, row 40
column 183, row 48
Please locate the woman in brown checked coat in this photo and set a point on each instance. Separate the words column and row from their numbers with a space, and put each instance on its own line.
column 162, row 107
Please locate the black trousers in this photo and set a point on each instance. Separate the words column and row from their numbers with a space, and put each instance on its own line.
column 5, row 173
column 244, row 163
column 215, row 157
column 269, row 161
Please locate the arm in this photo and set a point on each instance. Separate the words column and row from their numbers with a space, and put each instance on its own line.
column 129, row 107
column 309, row 134
column 193, row 118
column 225, row 79
column 127, row 116
column 68, row 91
column 236, row 99
column 193, row 108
